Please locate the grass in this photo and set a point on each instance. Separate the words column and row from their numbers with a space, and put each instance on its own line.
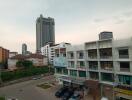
column 44, row 86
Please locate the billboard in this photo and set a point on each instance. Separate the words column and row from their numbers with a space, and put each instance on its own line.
column 60, row 62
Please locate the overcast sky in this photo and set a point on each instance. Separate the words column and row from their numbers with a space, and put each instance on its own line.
column 76, row 21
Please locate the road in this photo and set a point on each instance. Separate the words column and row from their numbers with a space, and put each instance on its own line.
column 29, row 91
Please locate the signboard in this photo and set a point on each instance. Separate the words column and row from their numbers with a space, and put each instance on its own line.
column 60, row 62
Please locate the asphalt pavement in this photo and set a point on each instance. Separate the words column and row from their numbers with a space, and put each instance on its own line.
column 28, row 90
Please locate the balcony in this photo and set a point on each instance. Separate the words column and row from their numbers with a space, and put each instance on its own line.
column 92, row 54
column 106, row 65
column 106, row 53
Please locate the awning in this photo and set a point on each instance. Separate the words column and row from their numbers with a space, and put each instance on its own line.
column 74, row 80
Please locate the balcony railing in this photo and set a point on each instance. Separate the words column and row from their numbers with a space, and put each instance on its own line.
column 123, row 56
column 92, row 57
column 93, row 68
column 125, row 69
column 81, row 57
column 107, row 69
column 106, row 57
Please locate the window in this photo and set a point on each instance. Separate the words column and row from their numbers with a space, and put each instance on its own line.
column 73, row 72
column 65, row 71
column 125, row 66
column 82, row 73
column 123, row 53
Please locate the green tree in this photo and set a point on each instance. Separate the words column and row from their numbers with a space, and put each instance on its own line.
column 24, row 64
column 19, row 64
column 27, row 64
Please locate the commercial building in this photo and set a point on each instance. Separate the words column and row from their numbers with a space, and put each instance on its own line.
column 45, row 31
column 4, row 55
column 37, row 59
column 103, row 67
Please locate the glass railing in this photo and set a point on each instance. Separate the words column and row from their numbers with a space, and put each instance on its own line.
column 123, row 56
column 93, row 68
column 106, row 57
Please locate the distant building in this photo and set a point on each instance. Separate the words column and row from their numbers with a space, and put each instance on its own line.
column 11, row 54
column 45, row 32
column 4, row 55
column 37, row 59
column 24, row 49
column 105, row 35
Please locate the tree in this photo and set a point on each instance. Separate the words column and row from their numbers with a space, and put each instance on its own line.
column 24, row 64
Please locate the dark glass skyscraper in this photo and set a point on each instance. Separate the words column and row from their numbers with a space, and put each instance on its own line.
column 45, row 31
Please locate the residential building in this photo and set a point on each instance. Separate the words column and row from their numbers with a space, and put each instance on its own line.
column 4, row 55
column 11, row 54
column 45, row 31
column 103, row 67
column 24, row 49
column 48, row 51
column 37, row 59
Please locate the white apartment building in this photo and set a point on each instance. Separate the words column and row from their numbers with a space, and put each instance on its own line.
column 103, row 66
column 48, row 51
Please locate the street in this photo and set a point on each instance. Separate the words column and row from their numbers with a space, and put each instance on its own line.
column 28, row 90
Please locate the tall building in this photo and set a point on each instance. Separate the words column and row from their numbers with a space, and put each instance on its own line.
column 4, row 55
column 24, row 49
column 45, row 32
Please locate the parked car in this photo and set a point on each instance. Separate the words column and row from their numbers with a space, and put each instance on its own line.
column 75, row 96
column 67, row 95
column 61, row 91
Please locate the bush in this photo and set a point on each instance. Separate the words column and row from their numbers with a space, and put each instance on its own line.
column 8, row 76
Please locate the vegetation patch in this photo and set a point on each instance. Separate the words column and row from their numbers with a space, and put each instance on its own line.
column 2, row 98
column 31, row 71
column 44, row 86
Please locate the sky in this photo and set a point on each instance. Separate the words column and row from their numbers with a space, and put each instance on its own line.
column 76, row 21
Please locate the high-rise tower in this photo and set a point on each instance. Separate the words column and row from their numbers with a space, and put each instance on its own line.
column 45, row 31
column 24, row 49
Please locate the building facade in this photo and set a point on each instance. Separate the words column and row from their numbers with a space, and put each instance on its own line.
column 104, row 67
column 4, row 55
column 45, row 31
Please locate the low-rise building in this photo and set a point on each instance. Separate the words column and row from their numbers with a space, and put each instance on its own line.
column 37, row 59
column 4, row 55
column 103, row 67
